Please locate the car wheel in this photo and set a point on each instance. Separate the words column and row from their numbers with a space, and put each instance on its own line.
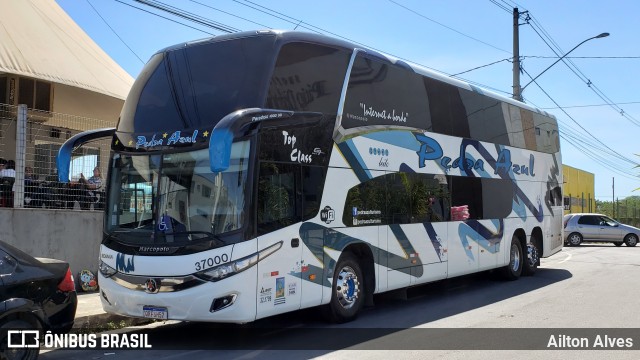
column 513, row 270
column 15, row 353
column 347, row 296
column 530, row 264
column 631, row 240
column 618, row 243
column 575, row 239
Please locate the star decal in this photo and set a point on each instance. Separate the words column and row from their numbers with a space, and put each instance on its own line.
column 130, row 142
column 164, row 136
column 205, row 133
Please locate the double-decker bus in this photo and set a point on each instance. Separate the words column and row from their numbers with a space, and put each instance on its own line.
column 263, row 172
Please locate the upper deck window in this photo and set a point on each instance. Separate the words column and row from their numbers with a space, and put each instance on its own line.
column 382, row 93
column 197, row 85
column 307, row 77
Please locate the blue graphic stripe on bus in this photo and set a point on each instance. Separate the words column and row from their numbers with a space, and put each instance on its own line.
column 431, row 150
column 475, row 231
column 397, row 262
column 488, row 239
column 518, row 193
column 355, row 160
column 465, row 233
column 402, row 139
column 435, row 240
column 310, row 233
column 553, row 186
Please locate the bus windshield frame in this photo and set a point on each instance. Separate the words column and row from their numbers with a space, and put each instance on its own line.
column 173, row 198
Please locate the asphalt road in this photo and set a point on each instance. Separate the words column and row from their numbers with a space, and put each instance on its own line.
column 587, row 287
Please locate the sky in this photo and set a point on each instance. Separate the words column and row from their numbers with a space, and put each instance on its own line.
column 592, row 91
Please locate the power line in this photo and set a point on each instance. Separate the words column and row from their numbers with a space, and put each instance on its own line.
column 591, row 105
column 503, row 7
column 164, row 17
column 482, row 66
column 619, row 156
column 114, row 32
column 535, row 25
column 189, row 16
column 581, row 57
column 228, row 13
column 448, row 27
column 305, row 25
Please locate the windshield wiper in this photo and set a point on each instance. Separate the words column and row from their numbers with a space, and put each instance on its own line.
column 205, row 235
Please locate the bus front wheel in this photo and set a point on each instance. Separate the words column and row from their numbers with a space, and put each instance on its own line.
column 347, row 295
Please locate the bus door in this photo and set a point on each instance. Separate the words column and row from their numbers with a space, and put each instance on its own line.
column 278, row 220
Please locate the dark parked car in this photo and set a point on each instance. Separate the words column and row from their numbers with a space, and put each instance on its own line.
column 600, row 228
column 35, row 294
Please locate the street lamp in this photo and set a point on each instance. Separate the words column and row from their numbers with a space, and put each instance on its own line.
column 560, row 58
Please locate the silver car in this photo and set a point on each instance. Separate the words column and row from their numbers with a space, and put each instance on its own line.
column 598, row 227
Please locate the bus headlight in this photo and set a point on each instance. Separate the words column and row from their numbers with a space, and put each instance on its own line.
column 106, row 270
column 237, row 266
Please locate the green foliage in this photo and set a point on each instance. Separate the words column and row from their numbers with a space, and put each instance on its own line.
column 637, row 166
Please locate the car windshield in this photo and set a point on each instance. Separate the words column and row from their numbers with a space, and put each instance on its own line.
column 158, row 199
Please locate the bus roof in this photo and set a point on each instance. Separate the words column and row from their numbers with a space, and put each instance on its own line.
column 287, row 36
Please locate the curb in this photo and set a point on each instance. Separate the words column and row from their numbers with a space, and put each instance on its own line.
column 103, row 322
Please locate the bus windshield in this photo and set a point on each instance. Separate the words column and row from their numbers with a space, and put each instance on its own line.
column 196, row 86
column 175, row 197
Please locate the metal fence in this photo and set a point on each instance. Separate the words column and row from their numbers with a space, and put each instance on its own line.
column 31, row 150
column 627, row 212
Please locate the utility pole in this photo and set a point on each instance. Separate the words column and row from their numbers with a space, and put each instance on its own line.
column 613, row 198
column 516, row 55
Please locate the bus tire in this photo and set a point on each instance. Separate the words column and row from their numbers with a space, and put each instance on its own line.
column 530, row 263
column 513, row 270
column 347, row 290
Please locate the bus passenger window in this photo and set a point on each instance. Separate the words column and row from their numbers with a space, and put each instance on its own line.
column 277, row 202
column 312, row 185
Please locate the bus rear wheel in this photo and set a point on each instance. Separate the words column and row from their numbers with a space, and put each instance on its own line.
column 513, row 270
column 530, row 265
column 347, row 295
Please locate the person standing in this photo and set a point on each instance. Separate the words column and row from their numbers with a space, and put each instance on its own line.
column 92, row 185
column 9, row 169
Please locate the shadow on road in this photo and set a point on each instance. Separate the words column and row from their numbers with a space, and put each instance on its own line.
column 392, row 317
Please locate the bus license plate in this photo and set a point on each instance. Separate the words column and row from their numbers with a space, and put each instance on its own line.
column 155, row 312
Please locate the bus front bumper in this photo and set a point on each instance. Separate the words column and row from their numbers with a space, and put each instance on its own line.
column 230, row 300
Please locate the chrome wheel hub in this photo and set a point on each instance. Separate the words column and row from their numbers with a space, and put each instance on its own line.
column 347, row 287
column 515, row 258
column 532, row 255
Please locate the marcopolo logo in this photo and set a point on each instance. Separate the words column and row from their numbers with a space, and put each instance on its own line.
column 327, row 214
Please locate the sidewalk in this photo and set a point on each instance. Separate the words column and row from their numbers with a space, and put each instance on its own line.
column 90, row 315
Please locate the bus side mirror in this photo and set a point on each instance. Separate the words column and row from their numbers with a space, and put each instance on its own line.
column 220, row 149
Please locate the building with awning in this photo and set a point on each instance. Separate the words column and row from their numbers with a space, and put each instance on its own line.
column 68, row 84
column 67, row 81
